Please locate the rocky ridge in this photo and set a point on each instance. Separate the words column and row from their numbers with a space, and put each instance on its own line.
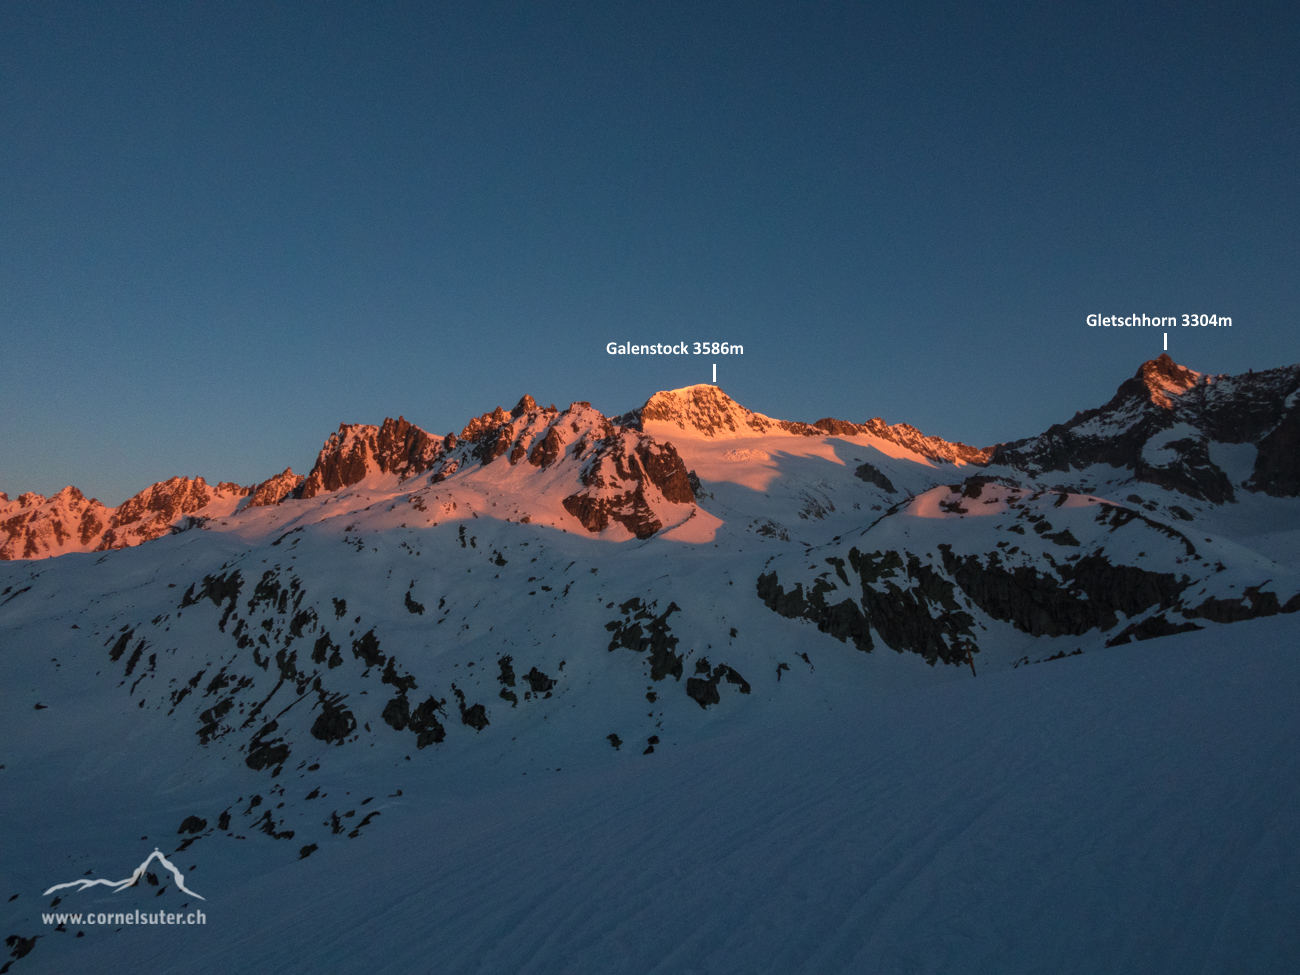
column 706, row 411
column 615, row 474
column 395, row 447
column 34, row 527
column 1162, row 425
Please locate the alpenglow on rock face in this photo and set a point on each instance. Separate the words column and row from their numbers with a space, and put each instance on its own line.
column 275, row 489
column 36, row 527
column 1167, row 427
column 706, row 411
column 396, row 447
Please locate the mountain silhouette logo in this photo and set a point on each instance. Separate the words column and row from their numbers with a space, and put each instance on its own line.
column 120, row 885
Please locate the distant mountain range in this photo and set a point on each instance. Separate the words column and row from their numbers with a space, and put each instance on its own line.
column 1164, row 427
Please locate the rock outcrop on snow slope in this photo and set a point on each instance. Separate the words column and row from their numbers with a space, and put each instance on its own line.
column 706, row 411
column 933, row 574
column 35, row 527
column 1163, row 425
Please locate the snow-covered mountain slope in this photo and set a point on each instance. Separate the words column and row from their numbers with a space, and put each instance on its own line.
column 423, row 624
column 705, row 412
column 795, row 481
column 947, row 572
column 1128, row 810
column 1209, row 438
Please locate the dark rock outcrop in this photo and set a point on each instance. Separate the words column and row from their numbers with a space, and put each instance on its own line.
column 424, row 722
column 334, row 723
column 1150, row 628
column 873, row 475
column 642, row 632
column 920, row 615
column 1277, row 463
column 473, row 715
column 193, row 824
column 264, row 753
column 1252, row 604
column 843, row 620
column 1087, row 597
column 704, row 690
column 539, row 682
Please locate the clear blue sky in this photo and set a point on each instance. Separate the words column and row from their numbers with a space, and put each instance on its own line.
column 227, row 227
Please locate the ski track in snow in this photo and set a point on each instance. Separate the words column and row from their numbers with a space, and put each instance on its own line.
column 1125, row 811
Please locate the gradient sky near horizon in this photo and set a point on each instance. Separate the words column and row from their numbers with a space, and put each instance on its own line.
column 227, row 227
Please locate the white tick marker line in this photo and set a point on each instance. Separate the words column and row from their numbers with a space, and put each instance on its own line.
column 1166, row 341
column 715, row 372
